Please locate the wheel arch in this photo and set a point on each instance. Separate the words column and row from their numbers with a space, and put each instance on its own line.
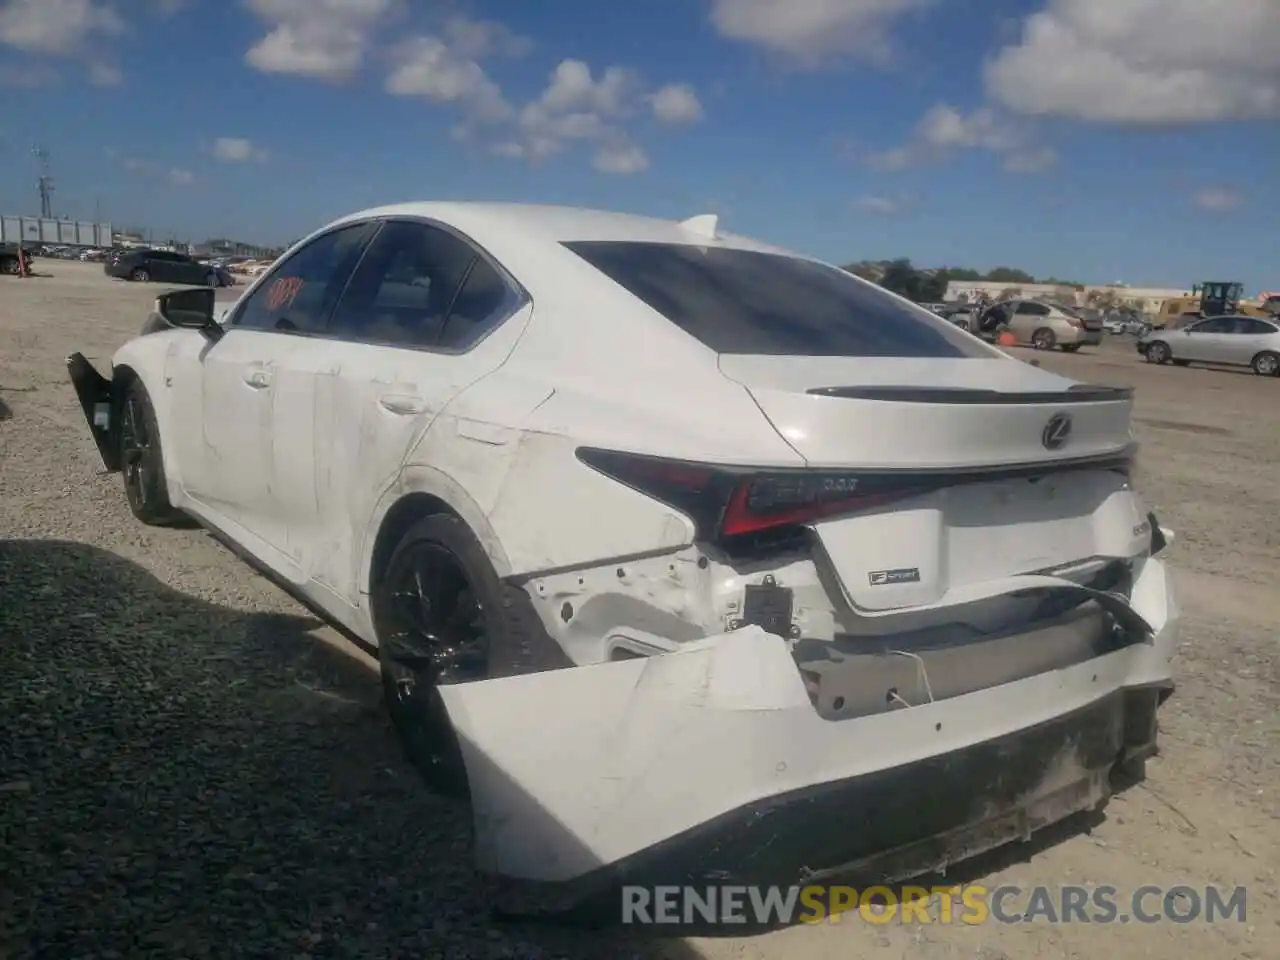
column 1263, row 353
column 143, row 360
column 420, row 492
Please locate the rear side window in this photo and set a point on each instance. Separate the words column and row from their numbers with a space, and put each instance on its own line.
column 744, row 302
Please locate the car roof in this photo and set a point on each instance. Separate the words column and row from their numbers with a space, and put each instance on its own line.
column 487, row 222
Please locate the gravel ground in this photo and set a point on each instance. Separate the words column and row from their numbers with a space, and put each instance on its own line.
column 193, row 767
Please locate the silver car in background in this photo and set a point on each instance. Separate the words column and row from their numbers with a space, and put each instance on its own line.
column 1045, row 325
column 1233, row 340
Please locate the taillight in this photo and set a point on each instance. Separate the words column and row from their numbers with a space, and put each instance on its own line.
column 793, row 499
column 733, row 501
column 729, row 502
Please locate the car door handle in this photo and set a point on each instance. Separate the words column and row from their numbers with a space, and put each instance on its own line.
column 402, row 404
column 257, row 378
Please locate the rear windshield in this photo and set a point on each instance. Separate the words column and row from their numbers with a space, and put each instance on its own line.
column 740, row 301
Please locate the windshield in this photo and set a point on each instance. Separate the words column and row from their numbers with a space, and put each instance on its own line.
column 743, row 302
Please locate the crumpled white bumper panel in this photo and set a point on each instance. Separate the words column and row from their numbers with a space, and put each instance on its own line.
column 574, row 769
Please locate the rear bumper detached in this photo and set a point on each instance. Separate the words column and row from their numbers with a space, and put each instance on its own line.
column 711, row 765
column 97, row 401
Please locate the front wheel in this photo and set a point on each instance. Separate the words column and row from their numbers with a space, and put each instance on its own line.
column 1043, row 339
column 442, row 616
column 1158, row 352
column 140, row 276
column 142, row 460
column 1266, row 364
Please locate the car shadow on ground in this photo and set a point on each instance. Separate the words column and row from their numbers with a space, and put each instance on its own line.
column 182, row 779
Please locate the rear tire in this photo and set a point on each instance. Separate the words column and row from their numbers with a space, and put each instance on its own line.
column 1266, row 364
column 1043, row 339
column 142, row 460
column 11, row 266
column 140, row 276
column 442, row 616
column 1158, row 352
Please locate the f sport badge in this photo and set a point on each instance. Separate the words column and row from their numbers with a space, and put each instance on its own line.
column 881, row 578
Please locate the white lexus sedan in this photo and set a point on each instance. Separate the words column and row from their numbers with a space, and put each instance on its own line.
column 685, row 556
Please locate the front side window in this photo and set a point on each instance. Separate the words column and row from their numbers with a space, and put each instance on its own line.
column 300, row 292
column 1216, row 325
column 744, row 302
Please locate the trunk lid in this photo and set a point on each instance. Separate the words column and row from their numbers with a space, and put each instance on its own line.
column 924, row 413
column 1033, row 458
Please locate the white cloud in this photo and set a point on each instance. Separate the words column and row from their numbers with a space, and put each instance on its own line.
column 475, row 39
column 428, row 67
column 620, row 158
column 27, row 77
column 1143, row 61
column 178, row 176
column 676, row 103
column 945, row 129
column 319, row 39
column 56, row 26
column 810, row 31
column 577, row 107
column 1218, row 199
column 104, row 75
column 882, row 206
column 1034, row 160
column 238, row 150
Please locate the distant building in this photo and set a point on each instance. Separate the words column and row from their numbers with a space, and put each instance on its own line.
column 1143, row 299
column 967, row 290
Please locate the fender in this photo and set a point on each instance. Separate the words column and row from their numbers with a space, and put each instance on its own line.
column 420, row 478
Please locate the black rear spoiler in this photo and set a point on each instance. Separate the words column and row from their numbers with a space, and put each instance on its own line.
column 1080, row 393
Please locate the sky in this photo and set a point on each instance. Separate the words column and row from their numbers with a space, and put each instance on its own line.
column 1094, row 140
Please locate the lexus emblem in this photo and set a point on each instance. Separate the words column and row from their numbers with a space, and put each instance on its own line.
column 1056, row 431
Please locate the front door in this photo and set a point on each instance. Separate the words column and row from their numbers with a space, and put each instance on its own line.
column 257, row 449
column 1202, row 341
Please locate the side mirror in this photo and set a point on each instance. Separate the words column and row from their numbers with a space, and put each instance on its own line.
column 191, row 309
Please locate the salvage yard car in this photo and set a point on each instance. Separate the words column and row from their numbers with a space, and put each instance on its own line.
column 1046, row 325
column 685, row 556
column 1231, row 341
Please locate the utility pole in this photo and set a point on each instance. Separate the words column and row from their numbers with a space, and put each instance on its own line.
column 46, row 182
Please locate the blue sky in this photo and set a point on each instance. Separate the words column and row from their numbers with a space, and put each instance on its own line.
column 1099, row 140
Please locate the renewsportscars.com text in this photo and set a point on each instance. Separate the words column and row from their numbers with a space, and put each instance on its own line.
column 972, row 904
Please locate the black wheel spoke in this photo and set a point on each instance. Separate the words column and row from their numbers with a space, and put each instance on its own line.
column 437, row 631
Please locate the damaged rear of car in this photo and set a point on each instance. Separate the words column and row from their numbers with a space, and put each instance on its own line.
column 939, row 624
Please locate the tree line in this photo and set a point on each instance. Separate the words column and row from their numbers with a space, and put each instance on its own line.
column 928, row 285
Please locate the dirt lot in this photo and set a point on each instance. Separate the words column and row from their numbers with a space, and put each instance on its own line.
column 192, row 767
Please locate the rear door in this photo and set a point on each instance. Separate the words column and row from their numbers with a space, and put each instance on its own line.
column 1028, row 317
column 252, row 464
column 1247, row 340
column 188, row 270
column 418, row 324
